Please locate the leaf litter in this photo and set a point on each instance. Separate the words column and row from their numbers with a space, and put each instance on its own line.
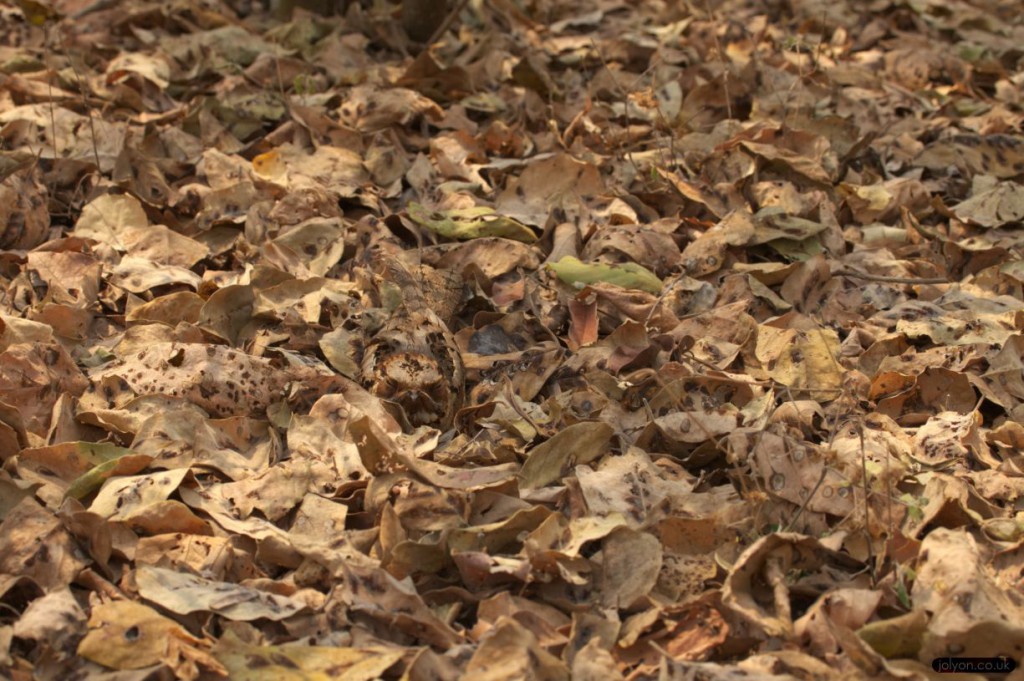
column 598, row 341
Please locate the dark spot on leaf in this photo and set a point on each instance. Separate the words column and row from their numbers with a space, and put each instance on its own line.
column 256, row 662
column 283, row 661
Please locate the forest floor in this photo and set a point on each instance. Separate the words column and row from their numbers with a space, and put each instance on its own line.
column 600, row 340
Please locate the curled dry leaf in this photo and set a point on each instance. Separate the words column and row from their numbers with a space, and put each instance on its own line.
column 183, row 593
column 758, row 588
column 128, row 635
column 23, row 213
column 368, row 108
column 511, row 651
column 55, row 619
column 373, row 593
column 972, row 613
column 269, row 663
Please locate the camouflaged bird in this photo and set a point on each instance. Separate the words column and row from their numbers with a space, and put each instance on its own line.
column 413, row 360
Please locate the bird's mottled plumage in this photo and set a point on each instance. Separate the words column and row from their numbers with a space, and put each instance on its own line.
column 413, row 360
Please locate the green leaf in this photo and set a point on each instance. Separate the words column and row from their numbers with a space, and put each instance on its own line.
column 470, row 223
column 110, row 461
column 896, row 637
column 628, row 275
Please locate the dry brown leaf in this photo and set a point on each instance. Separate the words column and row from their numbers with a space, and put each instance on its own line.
column 511, row 651
column 31, row 378
column 55, row 619
column 973, row 615
column 23, row 211
column 549, row 183
column 757, row 587
column 220, row 380
column 183, row 593
column 579, row 443
column 128, row 635
column 269, row 663
column 630, row 566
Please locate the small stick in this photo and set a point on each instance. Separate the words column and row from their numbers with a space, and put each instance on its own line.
column 440, row 31
column 891, row 280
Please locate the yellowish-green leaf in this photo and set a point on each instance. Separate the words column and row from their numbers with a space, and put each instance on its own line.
column 897, row 636
column 263, row 663
column 628, row 275
column 797, row 250
column 125, row 462
column 470, row 223
column 37, row 13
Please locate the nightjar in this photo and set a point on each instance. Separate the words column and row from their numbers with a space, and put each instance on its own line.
column 412, row 360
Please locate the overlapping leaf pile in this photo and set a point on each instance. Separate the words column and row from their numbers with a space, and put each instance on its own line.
column 740, row 302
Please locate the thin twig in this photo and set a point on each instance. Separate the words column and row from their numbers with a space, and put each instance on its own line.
column 908, row 220
column 803, row 506
column 53, row 118
column 440, row 30
column 85, row 102
column 511, row 396
column 721, row 57
column 891, row 280
column 867, row 511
